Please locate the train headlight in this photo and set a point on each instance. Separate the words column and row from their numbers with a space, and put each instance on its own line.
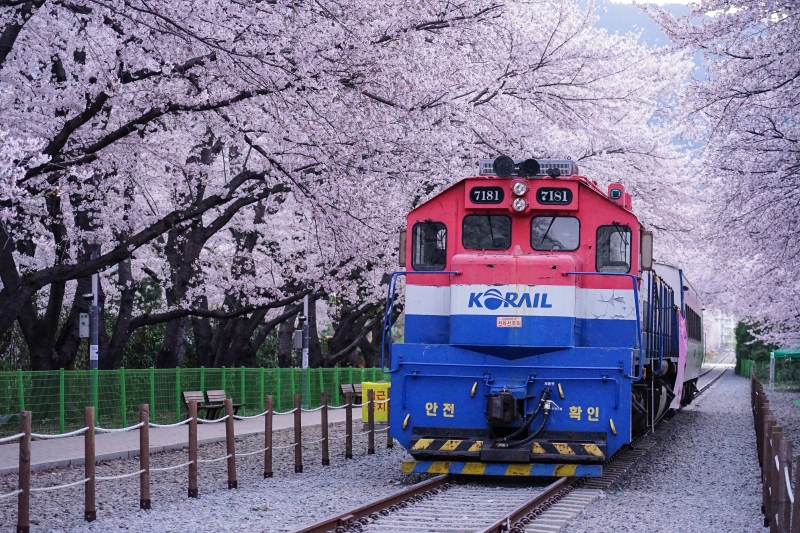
column 519, row 204
column 520, row 188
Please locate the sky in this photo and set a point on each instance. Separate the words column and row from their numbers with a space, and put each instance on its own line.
column 622, row 16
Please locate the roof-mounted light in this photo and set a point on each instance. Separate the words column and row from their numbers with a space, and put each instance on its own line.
column 503, row 166
column 526, row 167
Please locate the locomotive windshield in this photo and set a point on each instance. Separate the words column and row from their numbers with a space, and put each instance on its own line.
column 613, row 248
column 429, row 244
column 486, row 232
column 555, row 233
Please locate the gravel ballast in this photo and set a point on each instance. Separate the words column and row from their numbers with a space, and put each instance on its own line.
column 281, row 503
column 702, row 475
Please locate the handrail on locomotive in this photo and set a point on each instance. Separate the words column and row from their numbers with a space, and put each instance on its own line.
column 389, row 309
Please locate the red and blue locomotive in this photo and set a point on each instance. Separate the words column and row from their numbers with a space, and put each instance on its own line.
column 539, row 339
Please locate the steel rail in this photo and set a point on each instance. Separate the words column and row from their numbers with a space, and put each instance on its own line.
column 714, row 380
column 707, row 385
column 330, row 524
column 712, row 369
column 504, row 524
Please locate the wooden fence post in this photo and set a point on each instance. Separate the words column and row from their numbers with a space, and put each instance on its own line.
column 326, row 460
column 348, row 425
column 268, row 437
column 24, row 497
column 144, row 456
column 371, row 422
column 230, row 445
column 776, row 436
column 193, row 492
column 783, row 512
column 298, row 435
column 90, row 510
column 769, row 424
column 796, row 503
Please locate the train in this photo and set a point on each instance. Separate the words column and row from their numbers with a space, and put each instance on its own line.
column 540, row 336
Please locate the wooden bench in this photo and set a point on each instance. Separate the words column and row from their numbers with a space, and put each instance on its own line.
column 197, row 396
column 354, row 388
column 217, row 398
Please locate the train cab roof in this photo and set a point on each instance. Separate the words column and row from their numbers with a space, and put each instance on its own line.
column 522, row 175
column 526, row 209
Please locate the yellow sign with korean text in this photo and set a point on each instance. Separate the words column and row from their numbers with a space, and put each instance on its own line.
column 381, row 389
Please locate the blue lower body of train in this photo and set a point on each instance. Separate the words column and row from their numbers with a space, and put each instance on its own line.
column 510, row 410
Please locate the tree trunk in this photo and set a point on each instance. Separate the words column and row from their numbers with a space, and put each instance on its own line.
column 173, row 347
column 112, row 358
column 182, row 250
column 203, row 337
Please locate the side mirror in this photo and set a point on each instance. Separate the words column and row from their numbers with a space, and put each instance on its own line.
column 402, row 258
column 647, row 250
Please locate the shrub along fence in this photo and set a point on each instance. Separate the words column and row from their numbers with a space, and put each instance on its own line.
column 57, row 398
column 787, row 370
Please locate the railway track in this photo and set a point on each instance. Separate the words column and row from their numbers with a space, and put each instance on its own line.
column 716, row 371
column 445, row 505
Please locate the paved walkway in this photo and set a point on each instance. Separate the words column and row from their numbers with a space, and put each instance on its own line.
column 51, row 453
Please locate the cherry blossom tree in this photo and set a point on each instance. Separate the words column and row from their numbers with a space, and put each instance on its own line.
column 747, row 112
column 244, row 154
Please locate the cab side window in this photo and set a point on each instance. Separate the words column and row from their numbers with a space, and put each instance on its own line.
column 429, row 246
column 613, row 249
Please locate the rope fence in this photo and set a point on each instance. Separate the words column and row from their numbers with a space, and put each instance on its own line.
column 89, row 431
column 12, row 437
column 214, row 420
column 10, row 494
column 176, row 424
column 120, row 430
column 61, row 435
column 215, row 460
column 174, row 467
column 60, row 487
column 121, row 476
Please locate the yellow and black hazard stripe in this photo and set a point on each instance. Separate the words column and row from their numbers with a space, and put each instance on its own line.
column 501, row 469
column 447, row 445
column 572, row 450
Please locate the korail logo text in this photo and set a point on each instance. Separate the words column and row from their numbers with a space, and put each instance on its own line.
column 494, row 299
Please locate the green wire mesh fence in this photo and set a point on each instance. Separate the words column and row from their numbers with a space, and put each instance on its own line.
column 57, row 398
column 787, row 371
